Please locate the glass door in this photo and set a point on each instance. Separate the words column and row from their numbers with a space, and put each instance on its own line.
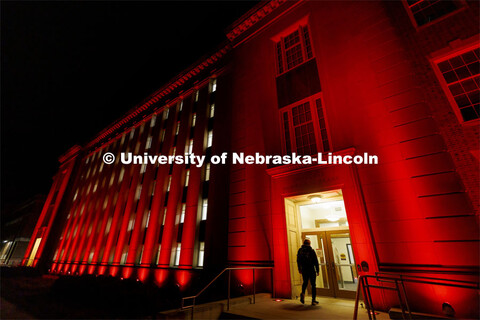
column 342, row 263
column 323, row 281
column 338, row 275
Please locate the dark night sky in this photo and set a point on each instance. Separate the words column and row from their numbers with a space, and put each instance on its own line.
column 71, row 68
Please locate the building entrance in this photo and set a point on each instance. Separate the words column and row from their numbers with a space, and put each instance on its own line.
column 337, row 277
column 322, row 218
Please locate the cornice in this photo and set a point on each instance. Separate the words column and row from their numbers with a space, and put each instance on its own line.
column 252, row 18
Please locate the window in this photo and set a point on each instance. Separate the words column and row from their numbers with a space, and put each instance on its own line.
column 148, row 219
column 207, row 172
column 204, row 209
column 304, row 127
column 138, row 193
column 169, row 183
column 201, row 254
column 180, row 105
column 158, row 253
column 182, row 214
column 177, row 254
column 187, row 178
column 177, row 129
column 209, row 139
column 123, row 260
column 194, row 119
column 213, row 85
column 152, row 122
column 197, row 95
column 131, row 223
column 293, row 50
column 212, row 110
column 460, row 78
column 162, row 135
column 149, row 143
column 122, row 173
column 425, row 11
column 190, row 146
column 164, row 216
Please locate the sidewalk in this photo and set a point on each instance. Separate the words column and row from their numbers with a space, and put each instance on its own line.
column 328, row 308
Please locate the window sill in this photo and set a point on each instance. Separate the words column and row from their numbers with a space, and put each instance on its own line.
column 471, row 123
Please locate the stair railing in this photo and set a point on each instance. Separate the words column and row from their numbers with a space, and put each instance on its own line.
column 229, row 270
column 397, row 283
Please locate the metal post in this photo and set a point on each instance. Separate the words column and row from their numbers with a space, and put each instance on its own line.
column 253, row 286
column 406, row 299
column 365, row 297
column 400, row 299
column 273, row 285
column 228, row 299
column 371, row 304
column 357, row 297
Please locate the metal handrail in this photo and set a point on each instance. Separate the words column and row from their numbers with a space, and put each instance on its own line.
column 193, row 298
column 399, row 280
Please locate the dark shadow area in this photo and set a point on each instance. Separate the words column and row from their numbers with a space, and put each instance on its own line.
column 84, row 297
column 228, row 316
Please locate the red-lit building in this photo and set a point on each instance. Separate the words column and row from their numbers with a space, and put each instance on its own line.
column 398, row 79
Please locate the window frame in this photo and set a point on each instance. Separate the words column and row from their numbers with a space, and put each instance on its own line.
column 281, row 40
column 461, row 6
column 316, row 124
column 435, row 60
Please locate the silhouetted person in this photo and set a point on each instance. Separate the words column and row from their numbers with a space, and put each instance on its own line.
column 308, row 266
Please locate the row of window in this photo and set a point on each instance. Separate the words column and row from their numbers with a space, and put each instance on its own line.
column 304, row 121
column 92, row 181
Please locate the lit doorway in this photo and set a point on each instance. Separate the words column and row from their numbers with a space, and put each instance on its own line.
column 322, row 218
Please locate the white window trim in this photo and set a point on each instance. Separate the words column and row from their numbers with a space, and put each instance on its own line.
column 462, row 6
column 303, row 45
column 443, row 55
column 315, row 120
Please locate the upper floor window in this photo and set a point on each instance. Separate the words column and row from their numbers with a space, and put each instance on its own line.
column 459, row 75
column 304, row 127
column 426, row 11
column 293, row 50
column 213, row 85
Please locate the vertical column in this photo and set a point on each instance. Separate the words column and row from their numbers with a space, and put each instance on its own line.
column 44, row 224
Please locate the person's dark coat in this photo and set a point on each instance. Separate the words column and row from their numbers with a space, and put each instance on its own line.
column 307, row 261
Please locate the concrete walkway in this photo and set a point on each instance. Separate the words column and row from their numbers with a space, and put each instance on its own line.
column 328, row 308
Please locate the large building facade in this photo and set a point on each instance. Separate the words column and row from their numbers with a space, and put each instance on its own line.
column 396, row 79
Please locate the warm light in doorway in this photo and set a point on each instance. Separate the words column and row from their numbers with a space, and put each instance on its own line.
column 315, row 198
